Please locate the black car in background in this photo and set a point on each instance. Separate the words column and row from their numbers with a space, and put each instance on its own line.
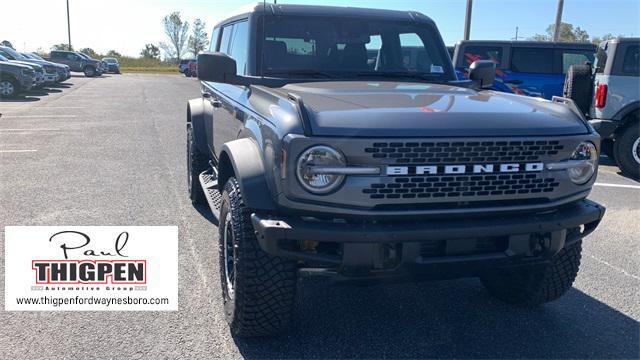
column 113, row 66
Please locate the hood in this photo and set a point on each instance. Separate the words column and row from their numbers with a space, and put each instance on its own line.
column 27, row 63
column 401, row 109
column 12, row 64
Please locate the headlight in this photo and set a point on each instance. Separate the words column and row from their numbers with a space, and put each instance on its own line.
column 313, row 158
column 587, row 154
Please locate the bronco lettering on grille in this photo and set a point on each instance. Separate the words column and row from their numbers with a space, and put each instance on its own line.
column 463, row 169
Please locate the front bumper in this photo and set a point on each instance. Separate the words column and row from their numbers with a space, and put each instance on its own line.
column 524, row 238
column 51, row 78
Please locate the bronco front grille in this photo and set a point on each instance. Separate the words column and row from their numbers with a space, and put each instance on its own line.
column 450, row 186
column 463, row 151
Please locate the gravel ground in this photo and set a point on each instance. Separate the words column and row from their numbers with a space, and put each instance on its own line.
column 111, row 151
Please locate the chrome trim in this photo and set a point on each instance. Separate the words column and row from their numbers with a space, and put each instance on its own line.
column 345, row 170
column 570, row 164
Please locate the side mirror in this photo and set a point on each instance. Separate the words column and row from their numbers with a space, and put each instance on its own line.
column 483, row 72
column 217, row 67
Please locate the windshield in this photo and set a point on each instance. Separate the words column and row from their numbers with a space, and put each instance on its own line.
column 16, row 55
column 351, row 47
column 83, row 55
column 110, row 60
column 36, row 56
column 2, row 58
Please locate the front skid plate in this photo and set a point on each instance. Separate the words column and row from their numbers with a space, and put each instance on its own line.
column 209, row 184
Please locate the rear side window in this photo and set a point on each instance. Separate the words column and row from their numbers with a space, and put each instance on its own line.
column 474, row 53
column 631, row 63
column 532, row 60
column 240, row 46
column 575, row 57
column 56, row 55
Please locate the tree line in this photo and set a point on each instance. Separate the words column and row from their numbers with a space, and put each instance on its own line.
column 571, row 33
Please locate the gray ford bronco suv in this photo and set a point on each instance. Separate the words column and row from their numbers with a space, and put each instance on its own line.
column 315, row 156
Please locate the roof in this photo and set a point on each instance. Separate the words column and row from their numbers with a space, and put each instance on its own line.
column 330, row 11
column 582, row 45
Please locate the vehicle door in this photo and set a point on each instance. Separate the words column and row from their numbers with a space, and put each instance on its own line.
column 534, row 71
column 466, row 54
column 74, row 61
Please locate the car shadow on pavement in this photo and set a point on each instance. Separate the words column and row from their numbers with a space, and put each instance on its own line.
column 605, row 160
column 29, row 98
column 447, row 319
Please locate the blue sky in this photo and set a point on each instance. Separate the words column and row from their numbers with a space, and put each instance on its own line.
column 126, row 25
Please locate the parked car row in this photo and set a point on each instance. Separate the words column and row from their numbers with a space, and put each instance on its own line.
column 188, row 67
column 22, row 71
column 80, row 62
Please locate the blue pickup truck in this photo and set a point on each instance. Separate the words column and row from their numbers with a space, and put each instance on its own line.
column 532, row 68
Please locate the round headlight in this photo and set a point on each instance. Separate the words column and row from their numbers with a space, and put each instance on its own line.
column 312, row 160
column 587, row 153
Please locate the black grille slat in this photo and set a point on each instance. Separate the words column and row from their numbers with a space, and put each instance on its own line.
column 465, row 152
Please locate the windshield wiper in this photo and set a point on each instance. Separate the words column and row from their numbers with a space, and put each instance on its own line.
column 304, row 72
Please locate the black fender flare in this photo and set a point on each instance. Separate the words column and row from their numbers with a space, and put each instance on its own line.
column 195, row 117
column 626, row 110
column 242, row 158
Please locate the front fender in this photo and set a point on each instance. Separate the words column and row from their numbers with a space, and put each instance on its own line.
column 242, row 158
column 195, row 116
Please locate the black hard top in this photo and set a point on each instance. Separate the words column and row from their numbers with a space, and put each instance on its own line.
column 540, row 44
column 330, row 11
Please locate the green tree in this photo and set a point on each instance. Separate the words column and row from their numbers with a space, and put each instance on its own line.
column 61, row 47
column 150, row 51
column 89, row 51
column 199, row 38
column 113, row 53
column 568, row 33
column 176, row 30
column 7, row 43
column 608, row 36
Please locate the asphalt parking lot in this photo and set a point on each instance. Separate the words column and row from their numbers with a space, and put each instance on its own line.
column 111, row 151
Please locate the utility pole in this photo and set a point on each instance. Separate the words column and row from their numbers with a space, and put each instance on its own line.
column 556, row 30
column 467, row 20
column 516, row 33
column 68, row 25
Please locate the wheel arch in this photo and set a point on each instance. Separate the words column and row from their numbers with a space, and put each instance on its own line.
column 242, row 159
column 195, row 117
column 628, row 114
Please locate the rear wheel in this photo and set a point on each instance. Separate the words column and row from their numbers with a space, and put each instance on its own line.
column 258, row 289
column 534, row 286
column 8, row 88
column 578, row 86
column 627, row 150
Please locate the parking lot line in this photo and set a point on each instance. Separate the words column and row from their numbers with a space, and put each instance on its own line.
column 17, row 151
column 29, row 130
column 618, row 185
column 35, row 116
column 618, row 269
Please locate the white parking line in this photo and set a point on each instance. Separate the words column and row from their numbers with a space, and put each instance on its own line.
column 618, row 185
column 620, row 270
column 16, row 151
column 29, row 130
column 36, row 116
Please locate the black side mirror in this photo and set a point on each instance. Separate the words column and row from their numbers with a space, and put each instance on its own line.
column 483, row 72
column 217, row 67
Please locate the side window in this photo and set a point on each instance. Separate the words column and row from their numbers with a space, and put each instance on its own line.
column 575, row 57
column 55, row 55
column 373, row 50
column 631, row 63
column 532, row 60
column 72, row 57
column 226, row 39
column 474, row 53
column 240, row 46
column 214, row 40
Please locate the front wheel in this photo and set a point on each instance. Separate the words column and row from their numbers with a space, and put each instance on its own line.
column 534, row 286
column 627, row 150
column 8, row 88
column 258, row 289
column 89, row 71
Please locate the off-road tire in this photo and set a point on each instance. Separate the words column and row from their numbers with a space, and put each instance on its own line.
column 265, row 285
column 197, row 163
column 626, row 144
column 89, row 71
column 13, row 84
column 534, row 286
column 578, row 86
